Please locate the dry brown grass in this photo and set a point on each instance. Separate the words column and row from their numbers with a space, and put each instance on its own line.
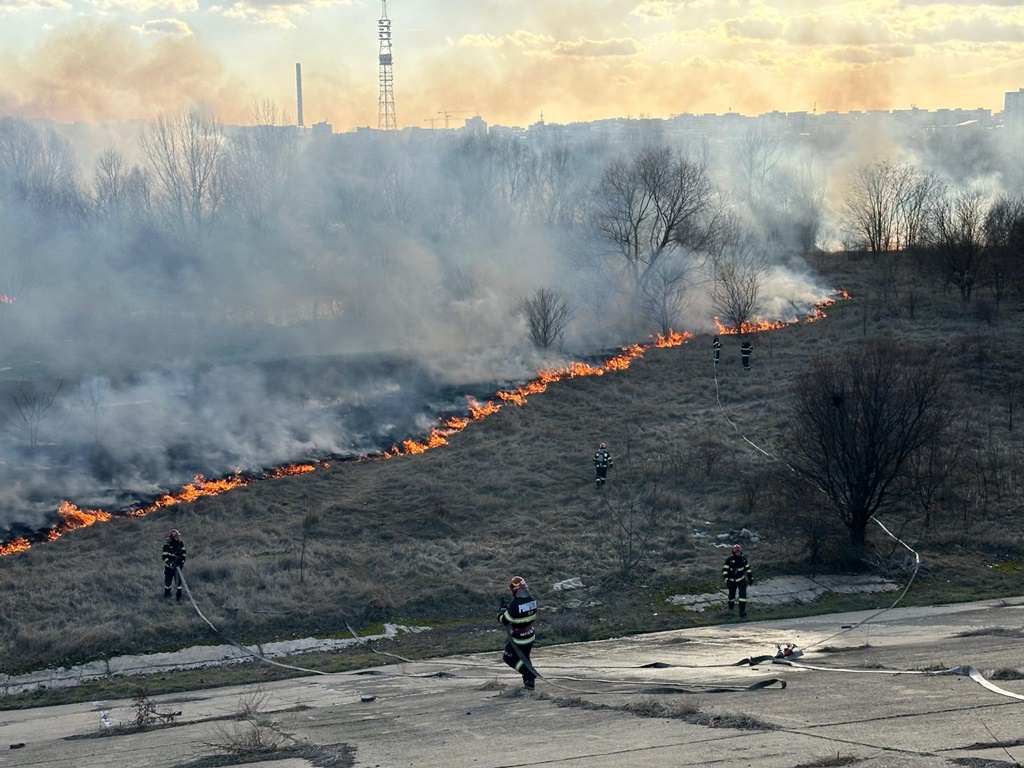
column 433, row 538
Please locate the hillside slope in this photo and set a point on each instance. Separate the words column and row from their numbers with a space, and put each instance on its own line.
column 434, row 537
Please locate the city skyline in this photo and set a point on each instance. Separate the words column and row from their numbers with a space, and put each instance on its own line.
column 511, row 62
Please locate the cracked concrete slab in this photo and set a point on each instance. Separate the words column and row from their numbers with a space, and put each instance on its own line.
column 873, row 687
column 786, row 590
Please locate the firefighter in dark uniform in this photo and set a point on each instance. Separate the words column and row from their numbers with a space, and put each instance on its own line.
column 602, row 463
column 717, row 345
column 518, row 616
column 745, row 349
column 174, row 559
column 737, row 574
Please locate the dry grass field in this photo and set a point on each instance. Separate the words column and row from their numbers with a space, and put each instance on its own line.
column 432, row 539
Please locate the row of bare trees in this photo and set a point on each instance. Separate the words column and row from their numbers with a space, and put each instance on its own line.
column 967, row 236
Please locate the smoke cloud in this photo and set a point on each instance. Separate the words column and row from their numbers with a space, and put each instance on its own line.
column 331, row 296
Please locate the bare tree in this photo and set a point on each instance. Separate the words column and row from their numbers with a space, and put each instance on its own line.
column 635, row 512
column 958, row 239
column 38, row 166
column 547, row 313
column 32, row 410
column 184, row 153
column 738, row 275
column 1004, row 236
column 917, row 208
column 557, row 196
column 858, row 420
column 92, row 395
column 802, row 189
column 260, row 158
column 756, row 159
column 665, row 295
column 875, row 204
column 651, row 205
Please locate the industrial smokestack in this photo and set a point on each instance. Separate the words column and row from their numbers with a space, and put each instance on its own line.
column 298, row 90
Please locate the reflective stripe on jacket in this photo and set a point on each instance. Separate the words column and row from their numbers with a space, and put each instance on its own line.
column 174, row 553
column 737, row 569
column 519, row 615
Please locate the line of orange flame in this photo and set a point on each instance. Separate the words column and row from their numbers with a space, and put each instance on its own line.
column 439, row 435
column 756, row 326
column 73, row 518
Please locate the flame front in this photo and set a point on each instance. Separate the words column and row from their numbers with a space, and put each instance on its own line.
column 439, row 435
column 757, row 326
column 72, row 517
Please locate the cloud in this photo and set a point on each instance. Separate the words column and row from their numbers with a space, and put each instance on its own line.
column 979, row 29
column 144, row 6
column 591, row 48
column 275, row 15
column 271, row 12
column 871, row 54
column 968, row 5
column 31, row 6
column 173, row 27
column 654, row 9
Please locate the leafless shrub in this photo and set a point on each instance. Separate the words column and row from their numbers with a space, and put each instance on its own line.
column 568, row 627
column 841, row 649
column 830, row 761
column 1006, row 673
column 706, row 455
column 992, row 632
column 32, row 411
column 146, row 713
column 674, row 710
column 633, row 518
column 741, row 722
column 547, row 313
column 898, row 565
column 252, row 731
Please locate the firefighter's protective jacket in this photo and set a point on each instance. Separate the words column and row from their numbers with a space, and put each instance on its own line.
column 737, row 570
column 519, row 615
column 603, row 459
column 174, row 553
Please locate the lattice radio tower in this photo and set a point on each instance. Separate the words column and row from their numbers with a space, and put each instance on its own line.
column 386, row 105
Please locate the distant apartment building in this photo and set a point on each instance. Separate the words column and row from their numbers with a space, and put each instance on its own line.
column 1013, row 108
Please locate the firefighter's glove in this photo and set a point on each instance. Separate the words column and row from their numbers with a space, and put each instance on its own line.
column 750, row 581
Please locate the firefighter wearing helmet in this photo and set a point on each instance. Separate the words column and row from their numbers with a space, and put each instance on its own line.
column 738, row 575
column 602, row 463
column 174, row 561
column 518, row 616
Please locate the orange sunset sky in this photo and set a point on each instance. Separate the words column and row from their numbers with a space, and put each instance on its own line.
column 510, row 61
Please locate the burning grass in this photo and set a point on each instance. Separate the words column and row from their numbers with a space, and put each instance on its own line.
column 432, row 536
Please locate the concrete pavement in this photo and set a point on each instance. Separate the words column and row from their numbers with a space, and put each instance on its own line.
column 866, row 690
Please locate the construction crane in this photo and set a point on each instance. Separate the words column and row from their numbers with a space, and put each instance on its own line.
column 449, row 112
column 430, row 120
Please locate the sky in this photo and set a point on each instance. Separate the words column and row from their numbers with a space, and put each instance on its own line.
column 510, row 61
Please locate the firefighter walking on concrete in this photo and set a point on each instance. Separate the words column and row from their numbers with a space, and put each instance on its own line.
column 518, row 616
column 602, row 463
column 174, row 560
column 738, row 575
